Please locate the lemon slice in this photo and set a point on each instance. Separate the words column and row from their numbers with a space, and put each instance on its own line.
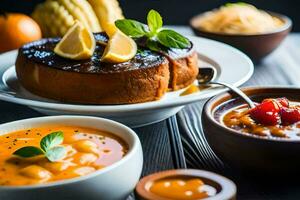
column 120, row 48
column 110, row 29
column 77, row 44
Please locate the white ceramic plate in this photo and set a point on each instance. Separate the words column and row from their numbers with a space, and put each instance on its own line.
column 233, row 67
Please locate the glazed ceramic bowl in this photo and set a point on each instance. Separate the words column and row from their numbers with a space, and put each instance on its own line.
column 256, row 46
column 113, row 182
column 247, row 151
column 226, row 189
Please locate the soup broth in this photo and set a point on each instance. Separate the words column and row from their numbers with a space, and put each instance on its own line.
column 87, row 150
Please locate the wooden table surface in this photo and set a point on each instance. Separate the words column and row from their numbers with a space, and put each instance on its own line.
column 280, row 68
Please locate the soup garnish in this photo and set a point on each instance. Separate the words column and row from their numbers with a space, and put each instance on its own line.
column 272, row 117
column 53, row 153
column 182, row 188
column 49, row 147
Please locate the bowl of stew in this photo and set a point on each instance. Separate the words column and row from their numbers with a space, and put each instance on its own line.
column 263, row 139
column 67, row 157
column 255, row 32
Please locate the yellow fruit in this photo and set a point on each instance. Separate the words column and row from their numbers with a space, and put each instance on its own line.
column 53, row 18
column 89, row 13
column 78, row 43
column 81, row 10
column 120, row 48
column 110, row 29
column 37, row 16
column 107, row 11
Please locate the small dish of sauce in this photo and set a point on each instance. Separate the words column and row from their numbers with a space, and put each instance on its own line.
column 185, row 184
column 180, row 188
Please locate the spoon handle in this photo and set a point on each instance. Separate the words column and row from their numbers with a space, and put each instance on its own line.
column 237, row 91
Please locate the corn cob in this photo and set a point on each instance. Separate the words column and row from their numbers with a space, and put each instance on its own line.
column 53, row 15
column 56, row 16
column 53, row 18
column 74, row 11
column 37, row 15
column 89, row 13
column 117, row 9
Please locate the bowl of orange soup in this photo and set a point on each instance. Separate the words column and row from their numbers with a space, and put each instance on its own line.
column 68, row 157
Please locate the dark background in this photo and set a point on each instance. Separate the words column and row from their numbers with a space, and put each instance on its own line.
column 174, row 11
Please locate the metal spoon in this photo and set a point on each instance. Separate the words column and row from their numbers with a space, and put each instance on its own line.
column 208, row 74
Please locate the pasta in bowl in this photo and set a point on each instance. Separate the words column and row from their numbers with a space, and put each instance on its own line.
column 238, row 18
column 255, row 32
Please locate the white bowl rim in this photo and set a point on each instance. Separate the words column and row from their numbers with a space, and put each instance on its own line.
column 131, row 152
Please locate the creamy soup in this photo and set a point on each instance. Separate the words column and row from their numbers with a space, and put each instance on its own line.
column 86, row 150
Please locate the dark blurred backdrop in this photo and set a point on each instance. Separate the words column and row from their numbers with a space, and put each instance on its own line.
column 174, row 11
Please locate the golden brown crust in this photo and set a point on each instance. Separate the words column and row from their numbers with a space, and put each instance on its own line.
column 134, row 86
column 183, row 71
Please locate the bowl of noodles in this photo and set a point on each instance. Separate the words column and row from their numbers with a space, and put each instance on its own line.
column 255, row 32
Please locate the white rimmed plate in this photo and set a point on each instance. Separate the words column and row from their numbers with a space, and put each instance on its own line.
column 233, row 67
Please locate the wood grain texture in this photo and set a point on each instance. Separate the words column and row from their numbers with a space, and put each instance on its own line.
column 156, row 148
column 177, row 150
column 280, row 68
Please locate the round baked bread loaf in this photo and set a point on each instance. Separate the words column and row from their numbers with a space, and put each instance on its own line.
column 144, row 78
column 42, row 72
column 183, row 69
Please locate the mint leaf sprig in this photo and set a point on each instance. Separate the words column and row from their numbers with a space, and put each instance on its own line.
column 49, row 147
column 154, row 32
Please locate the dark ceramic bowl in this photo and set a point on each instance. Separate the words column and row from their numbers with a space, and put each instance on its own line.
column 256, row 46
column 247, row 151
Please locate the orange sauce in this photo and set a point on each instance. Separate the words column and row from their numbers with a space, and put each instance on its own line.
column 239, row 119
column 193, row 89
column 182, row 189
column 88, row 150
